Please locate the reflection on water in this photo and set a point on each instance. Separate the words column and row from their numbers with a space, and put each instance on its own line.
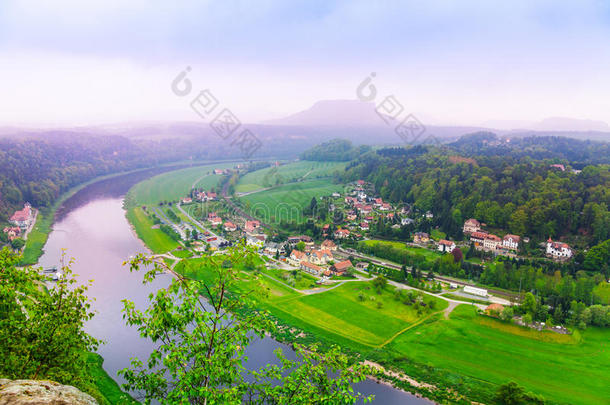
column 92, row 229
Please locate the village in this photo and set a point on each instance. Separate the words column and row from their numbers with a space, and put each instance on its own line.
column 354, row 214
column 21, row 224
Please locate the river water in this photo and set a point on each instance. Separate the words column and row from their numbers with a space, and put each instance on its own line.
column 91, row 228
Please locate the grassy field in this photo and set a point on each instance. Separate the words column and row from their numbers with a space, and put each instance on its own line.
column 107, row 387
column 338, row 312
column 287, row 202
column 174, row 185
column 430, row 255
column 473, row 352
column 38, row 236
column 156, row 240
column 563, row 368
column 286, row 174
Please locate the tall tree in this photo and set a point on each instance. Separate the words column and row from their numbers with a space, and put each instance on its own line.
column 201, row 329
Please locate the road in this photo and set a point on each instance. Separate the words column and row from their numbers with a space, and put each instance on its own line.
column 159, row 212
column 238, row 210
column 215, row 243
column 503, row 301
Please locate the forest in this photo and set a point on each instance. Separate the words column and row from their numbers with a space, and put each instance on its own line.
column 517, row 194
column 39, row 167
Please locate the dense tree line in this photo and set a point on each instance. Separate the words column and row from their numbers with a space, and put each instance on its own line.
column 335, row 150
column 578, row 152
column 38, row 167
column 521, row 195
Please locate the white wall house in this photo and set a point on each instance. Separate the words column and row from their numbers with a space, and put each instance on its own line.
column 511, row 242
column 558, row 250
column 446, row 246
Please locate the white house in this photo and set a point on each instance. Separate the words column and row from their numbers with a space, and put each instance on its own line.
column 491, row 242
column 320, row 256
column 296, row 256
column 511, row 242
column 471, row 225
column 446, row 246
column 22, row 218
column 406, row 221
column 558, row 250
column 311, row 268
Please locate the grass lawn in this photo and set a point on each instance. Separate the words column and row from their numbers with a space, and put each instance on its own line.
column 38, row 236
column 472, row 352
column 183, row 254
column 563, row 368
column 286, row 173
column 172, row 186
column 107, row 387
column 429, row 255
column 155, row 239
column 304, row 281
column 287, row 202
column 340, row 312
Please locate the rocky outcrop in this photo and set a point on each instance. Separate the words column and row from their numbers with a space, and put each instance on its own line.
column 30, row 392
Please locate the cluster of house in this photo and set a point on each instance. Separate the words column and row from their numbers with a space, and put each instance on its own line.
column 201, row 196
column 251, row 228
column 443, row 245
column 364, row 209
column 316, row 260
column 483, row 240
column 20, row 221
column 509, row 244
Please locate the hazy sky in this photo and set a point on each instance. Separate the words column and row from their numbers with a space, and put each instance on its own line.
column 459, row 62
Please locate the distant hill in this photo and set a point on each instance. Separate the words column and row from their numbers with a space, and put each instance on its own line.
column 346, row 113
column 570, row 124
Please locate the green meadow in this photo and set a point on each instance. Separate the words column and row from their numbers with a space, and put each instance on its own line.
column 172, row 186
column 287, row 202
column 471, row 352
column 571, row 369
column 155, row 239
column 284, row 174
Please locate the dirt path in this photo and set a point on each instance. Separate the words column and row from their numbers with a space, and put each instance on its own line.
column 199, row 179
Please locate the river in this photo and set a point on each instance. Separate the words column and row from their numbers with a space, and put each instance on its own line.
column 91, row 228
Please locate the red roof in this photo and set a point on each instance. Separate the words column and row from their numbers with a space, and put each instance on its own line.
column 21, row 215
column 513, row 237
column 311, row 266
column 328, row 244
column 344, row 265
column 298, row 254
column 445, row 242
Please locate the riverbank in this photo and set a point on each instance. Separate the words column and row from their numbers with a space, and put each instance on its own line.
column 37, row 239
column 34, row 247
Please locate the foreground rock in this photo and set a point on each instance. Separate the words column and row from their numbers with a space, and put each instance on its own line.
column 30, row 392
